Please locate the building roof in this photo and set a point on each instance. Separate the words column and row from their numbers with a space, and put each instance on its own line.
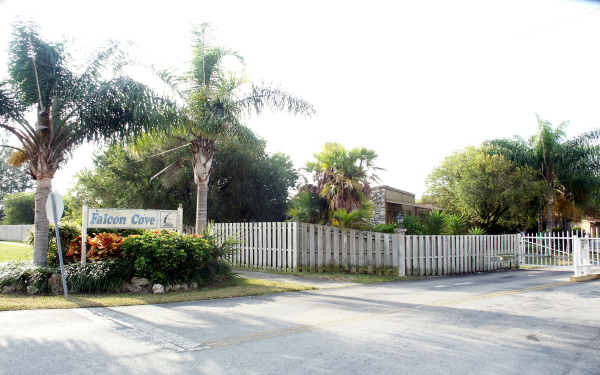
column 386, row 187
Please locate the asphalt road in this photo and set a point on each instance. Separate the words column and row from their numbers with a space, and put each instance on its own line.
column 526, row 322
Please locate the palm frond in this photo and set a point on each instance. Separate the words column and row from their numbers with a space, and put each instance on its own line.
column 267, row 96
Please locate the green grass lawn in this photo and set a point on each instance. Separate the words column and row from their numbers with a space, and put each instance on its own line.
column 15, row 251
column 236, row 288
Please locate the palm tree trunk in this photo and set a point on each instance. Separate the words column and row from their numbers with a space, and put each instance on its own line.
column 549, row 211
column 40, row 244
column 201, row 206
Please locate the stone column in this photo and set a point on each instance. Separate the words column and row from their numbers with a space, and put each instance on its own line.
column 378, row 199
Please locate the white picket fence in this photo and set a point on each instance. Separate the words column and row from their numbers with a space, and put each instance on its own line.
column 286, row 246
column 15, row 232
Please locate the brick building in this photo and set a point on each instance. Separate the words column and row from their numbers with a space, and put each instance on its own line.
column 389, row 202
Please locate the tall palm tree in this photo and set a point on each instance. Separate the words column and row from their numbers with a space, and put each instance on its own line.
column 343, row 177
column 69, row 108
column 214, row 103
column 569, row 167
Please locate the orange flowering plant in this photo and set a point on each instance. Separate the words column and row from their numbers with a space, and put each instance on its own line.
column 99, row 247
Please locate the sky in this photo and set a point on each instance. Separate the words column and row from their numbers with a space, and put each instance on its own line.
column 413, row 80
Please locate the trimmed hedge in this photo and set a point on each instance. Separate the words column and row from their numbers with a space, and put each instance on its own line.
column 168, row 258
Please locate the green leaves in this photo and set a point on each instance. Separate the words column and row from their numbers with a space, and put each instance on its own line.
column 71, row 107
column 168, row 258
column 343, row 177
column 36, row 67
column 488, row 189
column 568, row 167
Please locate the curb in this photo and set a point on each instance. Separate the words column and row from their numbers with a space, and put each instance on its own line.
column 585, row 278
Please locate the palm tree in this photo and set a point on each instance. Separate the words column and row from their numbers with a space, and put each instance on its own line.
column 569, row 167
column 343, row 177
column 215, row 102
column 69, row 108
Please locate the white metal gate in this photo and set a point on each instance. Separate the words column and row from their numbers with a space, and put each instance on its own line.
column 557, row 249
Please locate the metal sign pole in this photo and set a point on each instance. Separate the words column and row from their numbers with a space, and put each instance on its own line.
column 60, row 257
column 84, row 223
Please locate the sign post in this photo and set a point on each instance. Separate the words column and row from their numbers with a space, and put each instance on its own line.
column 54, row 211
column 84, row 215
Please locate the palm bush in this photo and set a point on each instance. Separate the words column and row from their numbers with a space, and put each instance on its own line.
column 355, row 219
column 455, row 224
column 478, row 231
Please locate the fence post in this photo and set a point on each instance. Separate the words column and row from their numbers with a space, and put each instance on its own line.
column 296, row 245
column 519, row 249
column 399, row 250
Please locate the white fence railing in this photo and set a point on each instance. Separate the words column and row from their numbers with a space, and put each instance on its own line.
column 557, row 249
column 303, row 247
column 14, row 232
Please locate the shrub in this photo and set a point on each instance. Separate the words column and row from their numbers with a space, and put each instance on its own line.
column 385, row 228
column 102, row 246
column 308, row 207
column 413, row 225
column 455, row 224
column 355, row 219
column 434, row 223
column 24, row 274
column 168, row 258
column 97, row 277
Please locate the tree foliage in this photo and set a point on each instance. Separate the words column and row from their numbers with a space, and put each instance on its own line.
column 12, row 179
column 568, row 167
column 488, row 190
column 18, row 208
column 343, row 177
column 247, row 184
column 215, row 102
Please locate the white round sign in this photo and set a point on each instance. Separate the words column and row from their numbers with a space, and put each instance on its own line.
column 59, row 206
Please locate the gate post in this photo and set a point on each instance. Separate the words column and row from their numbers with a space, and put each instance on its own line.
column 581, row 256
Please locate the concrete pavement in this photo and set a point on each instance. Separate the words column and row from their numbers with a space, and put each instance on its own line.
column 526, row 322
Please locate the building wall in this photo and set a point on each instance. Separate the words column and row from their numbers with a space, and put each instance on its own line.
column 398, row 196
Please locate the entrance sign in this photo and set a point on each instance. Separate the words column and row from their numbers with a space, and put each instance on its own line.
column 54, row 211
column 128, row 219
column 132, row 219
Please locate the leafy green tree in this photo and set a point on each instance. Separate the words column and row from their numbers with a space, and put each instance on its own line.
column 343, row 177
column 568, row 167
column 19, row 208
column 215, row 102
column 71, row 107
column 247, row 184
column 489, row 190
column 12, row 179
